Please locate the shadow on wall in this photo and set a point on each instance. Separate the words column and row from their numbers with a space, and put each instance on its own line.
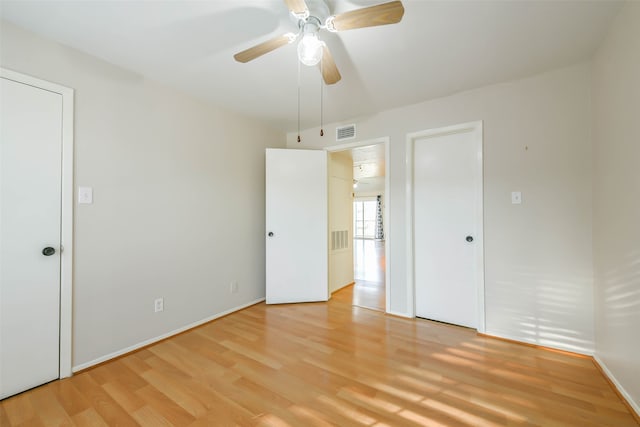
column 622, row 292
column 543, row 310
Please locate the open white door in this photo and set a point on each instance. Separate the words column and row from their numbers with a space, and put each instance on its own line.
column 296, row 226
column 30, row 235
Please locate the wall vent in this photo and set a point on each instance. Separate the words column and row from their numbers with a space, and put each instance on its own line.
column 345, row 132
column 339, row 240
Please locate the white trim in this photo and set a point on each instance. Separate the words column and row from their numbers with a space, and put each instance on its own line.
column 476, row 129
column 357, row 144
column 162, row 337
column 534, row 342
column 387, row 196
column 411, row 301
column 66, row 236
column 635, row 405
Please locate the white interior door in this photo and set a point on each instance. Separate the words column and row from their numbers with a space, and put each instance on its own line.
column 30, row 221
column 296, row 226
column 447, row 222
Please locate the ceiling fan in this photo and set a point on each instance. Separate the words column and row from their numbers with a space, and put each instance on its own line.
column 311, row 17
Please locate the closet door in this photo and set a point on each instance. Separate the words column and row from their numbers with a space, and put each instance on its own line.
column 447, row 202
column 30, row 235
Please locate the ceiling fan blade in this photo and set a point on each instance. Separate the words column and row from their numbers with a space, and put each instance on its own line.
column 382, row 14
column 297, row 6
column 262, row 48
column 330, row 72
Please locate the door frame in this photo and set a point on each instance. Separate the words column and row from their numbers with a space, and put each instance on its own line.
column 476, row 129
column 387, row 195
column 66, row 225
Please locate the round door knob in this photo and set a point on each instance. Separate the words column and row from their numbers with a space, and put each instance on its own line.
column 469, row 239
column 48, row 251
column 270, row 234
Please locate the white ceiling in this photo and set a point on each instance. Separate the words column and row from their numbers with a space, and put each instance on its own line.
column 368, row 167
column 439, row 48
column 368, row 162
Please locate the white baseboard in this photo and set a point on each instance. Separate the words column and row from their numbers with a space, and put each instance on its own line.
column 161, row 337
column 584, row 352
column 342, row 287
column 621, row 390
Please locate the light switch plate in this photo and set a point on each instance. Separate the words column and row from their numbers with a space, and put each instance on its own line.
column 516, row 197
column 85, row 195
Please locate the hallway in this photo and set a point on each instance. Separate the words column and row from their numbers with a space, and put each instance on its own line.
column 369, row 274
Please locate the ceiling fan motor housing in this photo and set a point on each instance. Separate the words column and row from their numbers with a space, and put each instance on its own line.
column 318, row 14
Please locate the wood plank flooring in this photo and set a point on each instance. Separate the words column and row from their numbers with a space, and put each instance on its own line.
column 369, row 295
column 369, row 274
column 326, row 364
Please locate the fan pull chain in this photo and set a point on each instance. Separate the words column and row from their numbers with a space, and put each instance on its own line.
column 321, row 98
column 299, row 139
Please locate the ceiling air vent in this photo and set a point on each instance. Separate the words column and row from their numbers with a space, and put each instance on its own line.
column 345, row 132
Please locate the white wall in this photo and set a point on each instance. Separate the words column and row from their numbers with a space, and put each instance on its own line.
column 340, row 218
column 369, row 193
column 616, row 141
column 178, row 199
column 538, row 255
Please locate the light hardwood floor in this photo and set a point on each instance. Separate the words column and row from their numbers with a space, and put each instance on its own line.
column 369, row 274
column 326, row 364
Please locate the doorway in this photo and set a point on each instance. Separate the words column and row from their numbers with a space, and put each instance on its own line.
column 366, row 216
column 445, row 217
column 369, row 249
column 36, row 169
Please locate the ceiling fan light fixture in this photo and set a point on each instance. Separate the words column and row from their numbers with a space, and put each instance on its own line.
column 309, row 16
column 310, row 49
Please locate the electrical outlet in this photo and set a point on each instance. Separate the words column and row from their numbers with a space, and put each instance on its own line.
column 158, row 305
column 234, row 287
column 516, row 197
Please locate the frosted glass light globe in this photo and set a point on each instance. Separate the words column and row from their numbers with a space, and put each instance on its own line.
column 310, row 49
